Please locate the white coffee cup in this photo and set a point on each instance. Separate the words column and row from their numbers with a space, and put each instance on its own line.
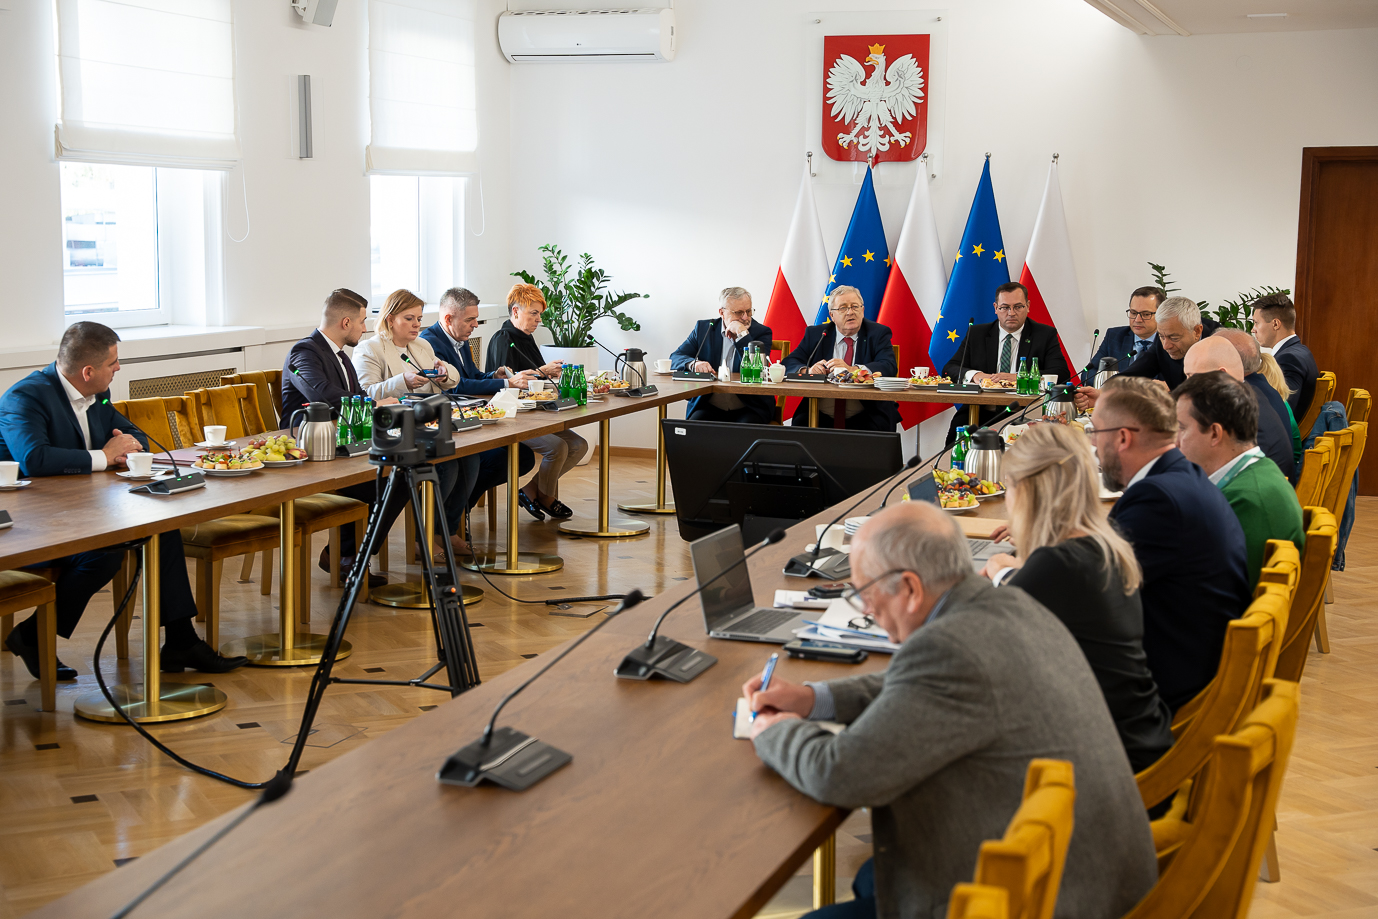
column 215, row 433
column 9, row 472
column 663, row 365
column 776, row 372
column 139, row 463
column 535, row 385
column 920, row 372
column 835, row 538
column 1049, row 378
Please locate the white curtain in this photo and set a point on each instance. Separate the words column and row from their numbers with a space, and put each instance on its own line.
column 147, row 82
column 421, row 87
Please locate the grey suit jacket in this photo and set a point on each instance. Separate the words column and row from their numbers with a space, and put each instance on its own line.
column 938, row 746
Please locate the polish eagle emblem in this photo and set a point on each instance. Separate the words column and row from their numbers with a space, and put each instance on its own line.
column 874, row 106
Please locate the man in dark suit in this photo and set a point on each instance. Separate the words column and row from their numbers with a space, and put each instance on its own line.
column 723, row 340
column 1275, row 323
column 59, row 421
column 848, row 341
column 1184, row 533
column 1234, row 351
column 992, row 350
column 1180, row 326
column 1125, row 343
column 449, row 338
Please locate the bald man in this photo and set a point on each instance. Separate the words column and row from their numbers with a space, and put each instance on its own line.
column 1220, row 353
column 1252, row 359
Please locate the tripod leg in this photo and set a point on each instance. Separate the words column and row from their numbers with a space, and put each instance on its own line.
column 447, row 602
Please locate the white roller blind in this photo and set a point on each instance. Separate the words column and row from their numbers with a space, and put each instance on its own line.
column 421, row 87
column 147, row 82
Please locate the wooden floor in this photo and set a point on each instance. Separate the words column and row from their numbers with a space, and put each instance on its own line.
column 78, row 799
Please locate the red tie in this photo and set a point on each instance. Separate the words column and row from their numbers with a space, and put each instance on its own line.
column 840, row 405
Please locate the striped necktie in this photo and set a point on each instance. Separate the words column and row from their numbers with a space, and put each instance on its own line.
column 1006, row 354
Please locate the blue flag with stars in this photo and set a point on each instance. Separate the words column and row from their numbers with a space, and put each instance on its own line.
column 864, row 260
column 980, row 268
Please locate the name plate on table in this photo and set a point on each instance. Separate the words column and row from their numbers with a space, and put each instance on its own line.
column 558, row 405
column 357, row 448
column 689, row 376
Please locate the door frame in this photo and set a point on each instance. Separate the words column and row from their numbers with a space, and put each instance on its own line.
column 1312, row 158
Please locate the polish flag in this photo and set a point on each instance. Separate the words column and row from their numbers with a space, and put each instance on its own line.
column 803, row 274
column 1051, row 278
column 914, row 292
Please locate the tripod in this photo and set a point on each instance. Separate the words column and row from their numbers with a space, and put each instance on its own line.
column 455, row 649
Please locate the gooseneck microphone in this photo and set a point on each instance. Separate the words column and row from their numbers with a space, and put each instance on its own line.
column 806, row 564
column 673, row 660
column 689, row 373
column 635, row 391
column 960, row 386
column 1081, row 377
column 169, row 485
column 808, row 361
column 507, row 757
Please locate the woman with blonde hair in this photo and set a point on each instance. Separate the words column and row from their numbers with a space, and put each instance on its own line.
column 1070, row 559
column 1272, row 372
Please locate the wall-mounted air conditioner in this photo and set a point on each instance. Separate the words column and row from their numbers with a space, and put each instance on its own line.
column 553, row 36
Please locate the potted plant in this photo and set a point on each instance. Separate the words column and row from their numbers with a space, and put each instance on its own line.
column 1236, row 313
column 574, row 303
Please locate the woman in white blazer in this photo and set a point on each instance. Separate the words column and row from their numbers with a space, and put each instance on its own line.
column 390, row 364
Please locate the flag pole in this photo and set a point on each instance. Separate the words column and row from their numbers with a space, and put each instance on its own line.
column 808, row 154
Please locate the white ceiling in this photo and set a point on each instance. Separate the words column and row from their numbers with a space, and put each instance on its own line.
column 1201, row 17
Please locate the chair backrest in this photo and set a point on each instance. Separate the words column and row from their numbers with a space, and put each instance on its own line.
column 234, row 406
column 269, row 383
column 1248, row 658
column 1356, row 408
column 1028, row 861
column 1316, row 467
column 1213, row 867
column 898, row 371
column 181, row 411
column 151, row 417
column 1350, row 442
column 978, row 901
column 781, row 345
column 1322, row 533
column 1325, row 388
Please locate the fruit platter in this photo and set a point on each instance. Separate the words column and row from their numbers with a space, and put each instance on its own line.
column 277, row 450
column 487, row 414
column 959, row 492
column 930, row 381
column 851, row 376
column 235, row 463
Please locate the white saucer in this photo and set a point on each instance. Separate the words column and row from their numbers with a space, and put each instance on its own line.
column 22, row 483
column 207, row 445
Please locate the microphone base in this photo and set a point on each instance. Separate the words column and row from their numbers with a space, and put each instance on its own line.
column 637, row 392
column 559, row 405
column 806, row 378
column 686, row 376
column 172, row 485
column 357, row 448
column 960, row 389
column 513, row 760
column 829, row 564
column 666, row 658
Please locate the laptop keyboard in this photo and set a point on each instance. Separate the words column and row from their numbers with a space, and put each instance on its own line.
column 979, row 545
column 763, row 621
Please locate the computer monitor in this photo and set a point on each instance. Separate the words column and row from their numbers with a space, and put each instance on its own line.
column 762, row 476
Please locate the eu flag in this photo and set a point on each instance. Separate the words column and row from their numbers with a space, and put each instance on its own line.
column 980, row 268
column 864, row 261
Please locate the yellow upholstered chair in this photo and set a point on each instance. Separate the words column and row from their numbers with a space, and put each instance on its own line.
column 1357, row 406
column 1208, row 860
column 781, row 345
column 1027, row 863
column 1317, row 464
column 268, row 392
column 898, row 371
column 978, row 901
column 1308, row 603
column 1249, row 657
column 1325, row 391
column 20, row 591
column 234, row 406
column 1349, row 451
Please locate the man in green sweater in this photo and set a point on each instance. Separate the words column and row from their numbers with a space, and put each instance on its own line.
column 1218, row 422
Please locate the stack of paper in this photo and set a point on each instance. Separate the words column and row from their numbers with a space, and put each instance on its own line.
column 836, row 625
column 798, row 599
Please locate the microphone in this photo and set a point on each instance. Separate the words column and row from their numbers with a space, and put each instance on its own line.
column 808, row 361
column 1081, row 377
column 960, row 387
column 806, row 563
column 691, row 374
column 665, row 657
column 508, row 757
column 166, row 486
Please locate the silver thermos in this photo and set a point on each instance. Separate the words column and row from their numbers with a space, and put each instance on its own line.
column 985, row 455
column 1109, row 366
column 317, row 434
column 633, row 362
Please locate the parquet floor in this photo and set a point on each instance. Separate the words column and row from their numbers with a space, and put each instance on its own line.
column 77, row 798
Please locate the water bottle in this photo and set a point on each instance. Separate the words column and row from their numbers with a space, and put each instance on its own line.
column 366, row 422
column 342, row 428
column 1021, row 380
column 562, row 385
column 356, row 411
column 1035, row 380
column 959, row 448
column 749, row 365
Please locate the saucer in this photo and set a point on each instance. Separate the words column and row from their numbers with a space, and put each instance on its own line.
column 22, row 483
column 140, row 478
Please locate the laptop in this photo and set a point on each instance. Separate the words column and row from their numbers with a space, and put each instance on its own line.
column 926, row 489
column 729, row 609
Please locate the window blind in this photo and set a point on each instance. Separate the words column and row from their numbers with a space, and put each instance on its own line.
column 147, row 82
column 422, row 103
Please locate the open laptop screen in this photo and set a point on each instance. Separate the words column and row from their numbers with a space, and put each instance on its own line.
column 730, row 595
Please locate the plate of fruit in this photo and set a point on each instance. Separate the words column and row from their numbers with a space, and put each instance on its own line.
column 959, row 492
column 227, row 464
column 486, row 414
column 276, row 451
column 929, row 382
column 851, row 378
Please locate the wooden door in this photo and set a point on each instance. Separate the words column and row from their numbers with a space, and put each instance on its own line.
column 1337, row 272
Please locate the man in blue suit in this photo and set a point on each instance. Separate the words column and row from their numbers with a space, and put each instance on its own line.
column 59, row 421
column 1275, row 326
column 715, row 342
column 1184, row 532
column 849, row 340
column 1125, row 343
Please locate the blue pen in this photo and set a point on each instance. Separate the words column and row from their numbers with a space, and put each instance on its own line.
column 766, row 675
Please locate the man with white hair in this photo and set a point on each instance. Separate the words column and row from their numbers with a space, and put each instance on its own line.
column 847, row 341
column 938, row 744
column 721, row 342
column 1215, row 353
column 1180, row 327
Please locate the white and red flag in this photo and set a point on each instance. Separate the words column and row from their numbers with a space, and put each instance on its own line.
column 914, row 292
column 803, row 275
column 1051, row 278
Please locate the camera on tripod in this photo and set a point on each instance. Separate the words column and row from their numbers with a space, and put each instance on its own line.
column 400, row 435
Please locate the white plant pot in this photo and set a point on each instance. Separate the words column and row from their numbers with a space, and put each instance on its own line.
column 588, row 357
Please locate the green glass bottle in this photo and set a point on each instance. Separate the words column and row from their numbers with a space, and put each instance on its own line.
column 1035, row 380
column 959, row 448
column 366, row 423
column 580, row 385
column 342, row 429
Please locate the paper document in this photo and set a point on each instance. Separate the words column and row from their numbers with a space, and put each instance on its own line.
column 798, row 599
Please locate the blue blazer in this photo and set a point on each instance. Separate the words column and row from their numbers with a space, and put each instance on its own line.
column 705, row 344
column 1191, row 547
column 1117, row 343
column 872, row 349
column 1274, row 425
column 38, row 428
column 1300, row 371
column 473, row 381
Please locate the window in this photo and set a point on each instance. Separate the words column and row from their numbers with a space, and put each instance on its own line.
column 141, row 244
column 416, row 230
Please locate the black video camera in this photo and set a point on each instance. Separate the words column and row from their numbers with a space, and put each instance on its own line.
column 400, row 435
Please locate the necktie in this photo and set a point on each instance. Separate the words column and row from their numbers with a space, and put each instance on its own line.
column 1006, row 353
column 354, row 387
column 840, row 405
column 1139, row 347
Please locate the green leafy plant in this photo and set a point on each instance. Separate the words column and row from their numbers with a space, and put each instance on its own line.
column 1235, row 314
column 574, row 303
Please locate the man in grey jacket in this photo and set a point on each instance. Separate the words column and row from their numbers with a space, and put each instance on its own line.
column 937, row 746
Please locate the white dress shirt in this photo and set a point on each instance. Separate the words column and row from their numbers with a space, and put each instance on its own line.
column 80, row 404
column 339, row 355
column 459, row 347
column 1143, row 472
column 999, row 349
column 1243, row 460
column 1280, row 343
column 728, row 402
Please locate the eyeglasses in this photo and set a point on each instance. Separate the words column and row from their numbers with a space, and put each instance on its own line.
column 844, row 309
column 853, row 596
column 738, row 314
column 1135, row 314
column 1091, row 432
column 1012, row 309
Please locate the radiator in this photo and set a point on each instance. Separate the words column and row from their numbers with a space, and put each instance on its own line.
column 177, row 383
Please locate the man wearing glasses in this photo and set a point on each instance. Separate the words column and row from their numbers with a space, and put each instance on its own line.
column 939, row 743
column 721, row 342
column 1126, row 343
column 1180, row 326
column 847, row 341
